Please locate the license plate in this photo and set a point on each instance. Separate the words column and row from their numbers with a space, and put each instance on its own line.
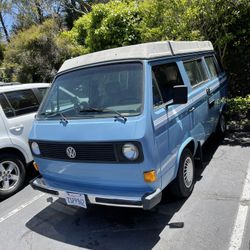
column 75, row 199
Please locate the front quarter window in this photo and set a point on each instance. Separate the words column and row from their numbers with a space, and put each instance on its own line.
column 100, row 91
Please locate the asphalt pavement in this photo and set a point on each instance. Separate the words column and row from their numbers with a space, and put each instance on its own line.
column 215, row 216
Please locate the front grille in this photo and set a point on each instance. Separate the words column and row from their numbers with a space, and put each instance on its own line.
column 85, row 152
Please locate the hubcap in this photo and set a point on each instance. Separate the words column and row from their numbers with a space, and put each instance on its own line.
column 188, row 172
column 9, row 175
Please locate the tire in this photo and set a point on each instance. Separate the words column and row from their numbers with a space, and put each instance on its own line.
column 221, row 126
column 183, row 185
column 12, row 175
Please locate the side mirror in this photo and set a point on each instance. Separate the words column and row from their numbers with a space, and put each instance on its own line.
column 180, row 94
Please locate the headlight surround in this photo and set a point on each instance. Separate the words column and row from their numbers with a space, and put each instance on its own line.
column 130, row 151
column 35, row 148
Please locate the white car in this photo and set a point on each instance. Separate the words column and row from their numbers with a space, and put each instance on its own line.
column 18, row 106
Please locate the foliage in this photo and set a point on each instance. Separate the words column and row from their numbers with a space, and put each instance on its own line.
column 169, row 20
column 223, row 22
column 74, row 9
column 35, row 54
column 27, row 13
column 107, row 26
column 120, row 23
column 227, row 25
column 238, row 107
column 103, row 24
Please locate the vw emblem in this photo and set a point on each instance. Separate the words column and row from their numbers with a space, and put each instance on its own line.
column 71, row 152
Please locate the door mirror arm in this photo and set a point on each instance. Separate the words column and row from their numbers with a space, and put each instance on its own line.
column 180, row 95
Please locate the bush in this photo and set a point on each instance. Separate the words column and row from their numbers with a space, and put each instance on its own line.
column 239, row 108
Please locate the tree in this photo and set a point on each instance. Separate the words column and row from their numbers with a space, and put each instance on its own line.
column 27, row 13
column 168, row 20
column 34, row 55
column 107, row 26
column 124, row 22
column 103, row 24
column 74, row 9
column 223, row 22
column 2, row 49
column 227, row 25
column 120, row 23
column 34, row 12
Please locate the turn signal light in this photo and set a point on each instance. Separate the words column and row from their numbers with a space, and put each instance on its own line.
column 35, row 165
column 150, row 176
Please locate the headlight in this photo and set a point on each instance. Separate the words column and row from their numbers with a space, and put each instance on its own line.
column 130, row 151
column 35, row 148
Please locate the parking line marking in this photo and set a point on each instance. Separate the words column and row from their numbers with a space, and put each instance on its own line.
column 239, row 224
column 21, row 207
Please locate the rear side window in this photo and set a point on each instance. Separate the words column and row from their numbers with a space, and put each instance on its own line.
column 212, row 66
column 22, row 101
column 196, row 72
column 218, row 64
column 165, row 77
column 42, row 91
column 6, row 107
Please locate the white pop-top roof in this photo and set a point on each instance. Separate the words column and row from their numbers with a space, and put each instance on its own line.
column 139, row 51
column 14, row 87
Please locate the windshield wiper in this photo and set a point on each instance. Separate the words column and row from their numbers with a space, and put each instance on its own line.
column 102, row 110
column 63, row 119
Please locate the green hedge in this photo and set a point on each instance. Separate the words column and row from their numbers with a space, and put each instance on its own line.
column 238, row 108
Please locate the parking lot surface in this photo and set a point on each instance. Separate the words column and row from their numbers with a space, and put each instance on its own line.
column 215, row 216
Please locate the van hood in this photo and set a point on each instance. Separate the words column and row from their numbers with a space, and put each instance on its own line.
column 89, row 130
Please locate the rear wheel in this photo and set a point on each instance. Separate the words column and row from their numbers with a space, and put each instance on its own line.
column 183, row 185
column 221, row 126
column 12, row 175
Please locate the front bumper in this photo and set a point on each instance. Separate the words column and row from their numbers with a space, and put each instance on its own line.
column 146, row 202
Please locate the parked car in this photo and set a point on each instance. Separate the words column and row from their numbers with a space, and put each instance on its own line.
column 119, row 125
column 18, row 106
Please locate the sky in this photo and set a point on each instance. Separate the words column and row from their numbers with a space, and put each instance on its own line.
column 8, row 21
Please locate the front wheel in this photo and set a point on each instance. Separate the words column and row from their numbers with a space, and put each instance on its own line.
column 183, row 185
column 12, row 175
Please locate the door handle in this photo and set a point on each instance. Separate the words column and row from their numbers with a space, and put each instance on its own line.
column 191, row 109
column 208, row 90
column 17, row 128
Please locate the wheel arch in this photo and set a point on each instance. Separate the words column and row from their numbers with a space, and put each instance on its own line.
column 223, row 108
column 10, row 150
column 189, row 143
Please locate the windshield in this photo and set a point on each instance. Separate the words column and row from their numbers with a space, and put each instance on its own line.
column 101, row 91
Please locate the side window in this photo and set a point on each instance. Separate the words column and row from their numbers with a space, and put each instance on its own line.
column 42, row 91
column 196, row 72
column 166, row 77
column 23, row 101
column 211, row 64
column 6, row 107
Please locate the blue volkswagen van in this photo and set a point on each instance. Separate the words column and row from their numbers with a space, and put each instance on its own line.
column 119, row 125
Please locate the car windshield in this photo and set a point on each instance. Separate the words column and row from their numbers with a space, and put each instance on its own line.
column 101, row 91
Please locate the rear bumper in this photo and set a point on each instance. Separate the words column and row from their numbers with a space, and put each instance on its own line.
column 146, row 202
